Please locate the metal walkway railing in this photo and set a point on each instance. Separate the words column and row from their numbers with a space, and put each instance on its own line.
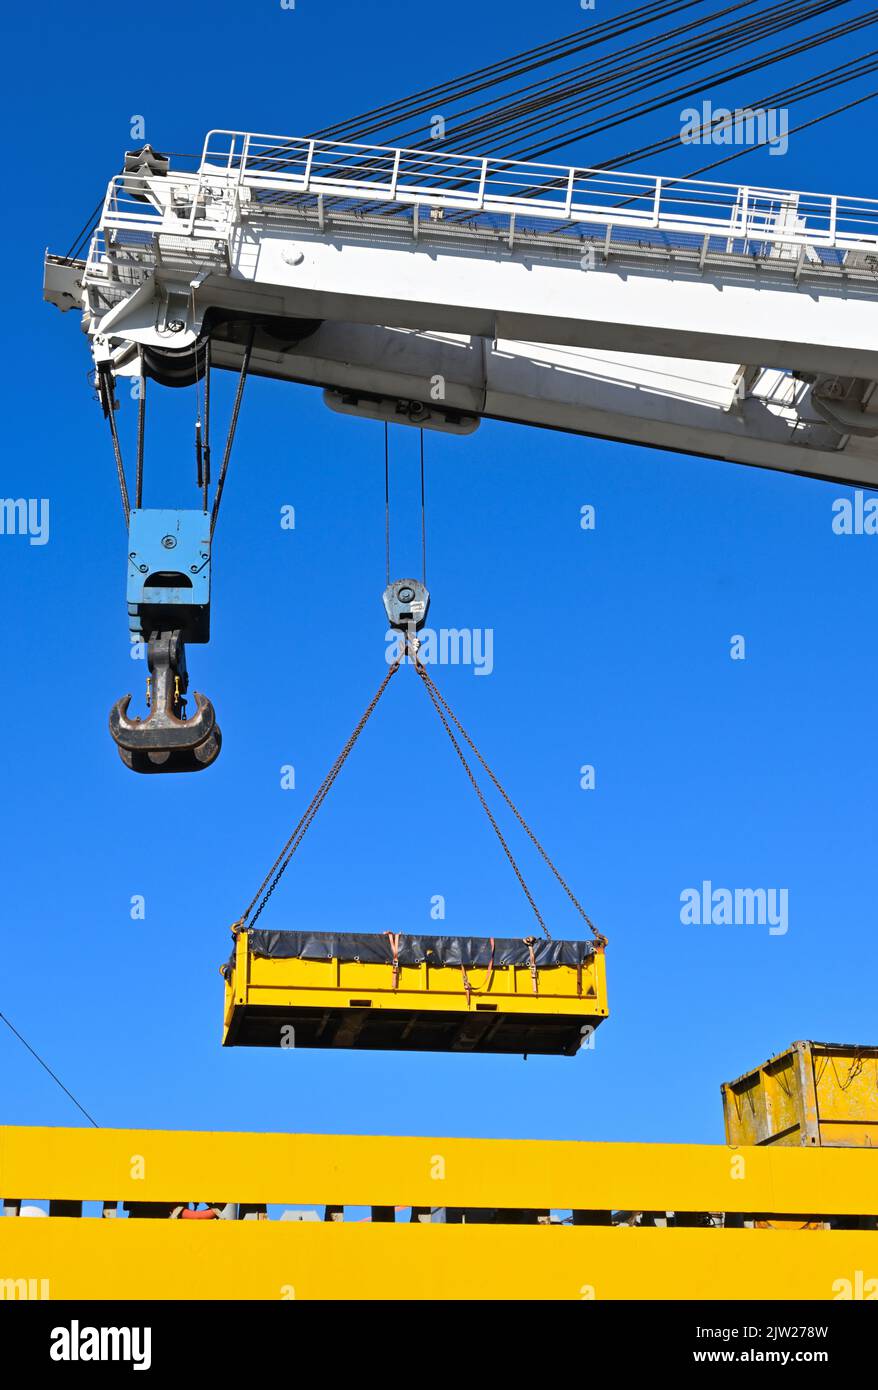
column 282, row 168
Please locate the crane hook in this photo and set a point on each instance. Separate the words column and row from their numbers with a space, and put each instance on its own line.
column 166, row 741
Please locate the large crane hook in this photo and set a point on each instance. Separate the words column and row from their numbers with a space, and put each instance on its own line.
column 168, row 605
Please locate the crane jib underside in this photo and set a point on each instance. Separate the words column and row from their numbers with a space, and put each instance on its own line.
column 436, row 288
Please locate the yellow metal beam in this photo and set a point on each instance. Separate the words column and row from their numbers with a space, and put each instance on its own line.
column 156, row 1165
column 92, row 1259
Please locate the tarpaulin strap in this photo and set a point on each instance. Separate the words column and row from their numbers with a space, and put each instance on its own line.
column 534, row 975
column 487, row 984
column 393, row 939
column 579, row 979
column 466, row 984
column 470, row 987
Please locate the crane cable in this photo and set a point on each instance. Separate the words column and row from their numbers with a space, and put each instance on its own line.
column 848, row 106
column 826, row 81
column 801, row 91
column 386, row 503
column 685, row 55
column 423, row 517
column 831, row 79
column 768, row 22
column 141, row 436
column 726, row 75
column 755, row 63
column 85, row 231
column 387, row 508
column 364, row 164
column 107, row 397
column 665, row 65
column 501, row 71
column 233, row 425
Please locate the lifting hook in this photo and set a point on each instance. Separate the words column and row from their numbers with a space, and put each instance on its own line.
column 166, row 741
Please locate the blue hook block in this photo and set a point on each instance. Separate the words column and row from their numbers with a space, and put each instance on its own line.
column 169, row 573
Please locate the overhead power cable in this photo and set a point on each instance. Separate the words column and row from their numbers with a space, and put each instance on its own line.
column 47, row 1068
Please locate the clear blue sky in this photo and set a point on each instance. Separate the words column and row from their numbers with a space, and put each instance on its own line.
column 611, row 648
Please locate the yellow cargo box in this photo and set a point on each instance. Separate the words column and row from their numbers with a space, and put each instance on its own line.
column 811, row 1094
column 413, row 993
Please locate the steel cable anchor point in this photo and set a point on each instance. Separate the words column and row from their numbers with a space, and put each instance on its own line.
column 166, row 741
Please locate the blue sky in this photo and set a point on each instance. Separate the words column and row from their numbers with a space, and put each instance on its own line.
column 610, row 648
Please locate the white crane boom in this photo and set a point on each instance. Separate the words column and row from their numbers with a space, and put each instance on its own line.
column 437, row 288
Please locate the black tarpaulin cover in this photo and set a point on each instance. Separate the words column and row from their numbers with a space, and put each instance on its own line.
column 374, row 949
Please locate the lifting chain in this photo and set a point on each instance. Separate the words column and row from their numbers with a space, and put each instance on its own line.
column 275, row 873
column 443, row 708
column 437, row 703
column 448, row 718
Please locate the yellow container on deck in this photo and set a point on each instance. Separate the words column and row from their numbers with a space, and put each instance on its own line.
column 413, row 993
column 812, row 1094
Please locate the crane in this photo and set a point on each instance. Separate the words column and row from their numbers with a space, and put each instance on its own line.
column 436, row 289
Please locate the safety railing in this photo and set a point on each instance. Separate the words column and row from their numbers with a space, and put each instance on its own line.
column 282, row 168
column 177, row 204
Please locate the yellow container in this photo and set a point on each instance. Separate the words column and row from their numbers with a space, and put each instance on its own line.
column 811, row 1094
column 385, row 992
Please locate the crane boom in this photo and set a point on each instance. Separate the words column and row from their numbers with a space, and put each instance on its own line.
column 438, row 288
